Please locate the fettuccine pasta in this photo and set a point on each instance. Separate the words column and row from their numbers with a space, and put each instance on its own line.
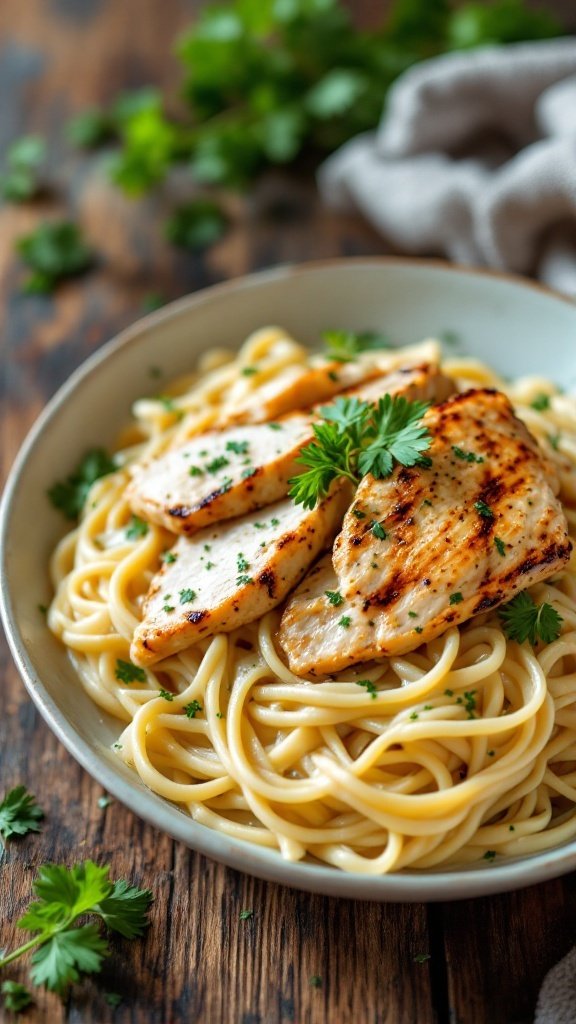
column 463, row 750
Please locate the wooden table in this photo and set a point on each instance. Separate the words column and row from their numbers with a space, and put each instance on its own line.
column 200, row 961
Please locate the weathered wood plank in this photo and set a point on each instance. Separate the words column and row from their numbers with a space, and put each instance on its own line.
column 499, row 949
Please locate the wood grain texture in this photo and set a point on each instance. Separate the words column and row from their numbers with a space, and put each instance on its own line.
column 199, row 962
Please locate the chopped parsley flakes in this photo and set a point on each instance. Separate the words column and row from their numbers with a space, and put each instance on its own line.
column 187, row 595
column 126, row 672
column 192, row 708
column 369, row 685
column 500, row 546
column 335, row 597
column 540, row 402
column 466, row 456
column 483, row 510
column 218, row 463
column 238, row 447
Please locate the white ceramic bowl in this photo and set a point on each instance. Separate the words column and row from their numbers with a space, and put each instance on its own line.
column 516, row 326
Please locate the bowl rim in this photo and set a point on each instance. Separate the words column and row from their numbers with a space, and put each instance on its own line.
column 262, row 862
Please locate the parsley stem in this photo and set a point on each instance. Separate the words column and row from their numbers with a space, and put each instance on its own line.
column 36, row 941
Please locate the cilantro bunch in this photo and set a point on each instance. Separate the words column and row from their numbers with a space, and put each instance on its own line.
column 354, row 438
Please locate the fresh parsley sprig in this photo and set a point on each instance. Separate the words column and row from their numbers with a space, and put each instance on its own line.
column 522, row 619
column 354, row 438
column 19, row 814
column 63, row 949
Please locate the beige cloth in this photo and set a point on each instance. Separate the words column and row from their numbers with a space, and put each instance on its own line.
column 557, row 999
column 475, row 157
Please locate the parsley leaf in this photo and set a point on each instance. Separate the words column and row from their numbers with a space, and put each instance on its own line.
column 400, row 436
column 65, row 950
column 53, row 252
column 124, row 910
column 354, row 438
column 522, row 619
column 344, row 346
column 187, row 595
column 67, row 953
column 126, row 672
column 334, row 597
column 69, row 495
column 19, row 813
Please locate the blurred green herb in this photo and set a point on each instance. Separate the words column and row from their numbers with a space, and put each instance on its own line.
column 344, row 346
column 53, row 252
column 16, row 996
column 196, row 225
column 70, row 494
column 265, row 83
column 503, row 21
column 24, row 160
column 91, row 128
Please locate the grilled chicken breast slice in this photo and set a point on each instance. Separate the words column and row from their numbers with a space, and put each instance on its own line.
column 320, row 632
column 266, row 395
column 225, row 474
column 225, row 577
column 219, row 475
column 430, row 547
column 424, row 382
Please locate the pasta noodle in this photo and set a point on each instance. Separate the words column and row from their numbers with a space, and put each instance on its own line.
column 469, row 752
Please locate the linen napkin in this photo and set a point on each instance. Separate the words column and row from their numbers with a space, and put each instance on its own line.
column 475, row 158
column 557, row 999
